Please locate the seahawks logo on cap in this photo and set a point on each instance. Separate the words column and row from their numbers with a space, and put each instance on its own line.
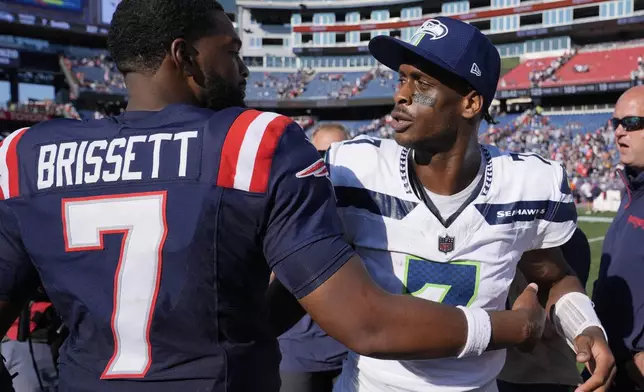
column 433, row 27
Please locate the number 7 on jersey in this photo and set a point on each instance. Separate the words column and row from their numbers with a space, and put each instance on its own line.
column 141, row 219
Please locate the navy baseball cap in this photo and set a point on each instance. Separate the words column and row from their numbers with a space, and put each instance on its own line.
column 455, row 46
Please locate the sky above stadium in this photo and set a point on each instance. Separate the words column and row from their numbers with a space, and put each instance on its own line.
column 229, row 5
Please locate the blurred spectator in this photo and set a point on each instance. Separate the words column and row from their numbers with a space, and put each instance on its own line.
column 381, row 75
column 304, row 121
column 637, row 76
column 589, row 157
column 288, row 87
column 110, row 80
column 32, row 360
column 539, row 75
column 327, row 134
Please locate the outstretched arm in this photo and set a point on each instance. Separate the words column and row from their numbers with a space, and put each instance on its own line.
column 305, row 247
column 350, row 307
column 572, row 313
column 548, row 268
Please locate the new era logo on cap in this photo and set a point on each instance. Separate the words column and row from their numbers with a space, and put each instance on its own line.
column 475, row 70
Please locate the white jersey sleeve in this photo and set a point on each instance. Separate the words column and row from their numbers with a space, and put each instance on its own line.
column 560, row 220
column 350, row 163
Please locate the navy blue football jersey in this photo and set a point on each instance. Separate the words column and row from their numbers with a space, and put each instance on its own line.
column 154, row 234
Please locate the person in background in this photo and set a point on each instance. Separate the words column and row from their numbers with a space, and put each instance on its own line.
column 618, row 294
column 327, row 134
column 31, row 362
column 311, row 359
column 551, row 366
column 586, row 190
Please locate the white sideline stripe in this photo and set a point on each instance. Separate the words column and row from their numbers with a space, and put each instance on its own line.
column 596, row 239
column 601, row 219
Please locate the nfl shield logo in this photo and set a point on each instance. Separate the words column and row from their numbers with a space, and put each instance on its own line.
column 445, row 244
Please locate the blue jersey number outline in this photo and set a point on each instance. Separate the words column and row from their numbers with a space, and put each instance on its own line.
column 373, row 142
column 458, row 280
column 519, row 157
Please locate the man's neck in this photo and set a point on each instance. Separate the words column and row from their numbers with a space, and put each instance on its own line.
column 450, row 172
column 146, row 93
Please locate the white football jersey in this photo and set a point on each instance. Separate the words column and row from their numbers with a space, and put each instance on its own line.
column 523, row 202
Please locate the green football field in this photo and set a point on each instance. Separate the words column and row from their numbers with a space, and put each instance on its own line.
column 595, row 232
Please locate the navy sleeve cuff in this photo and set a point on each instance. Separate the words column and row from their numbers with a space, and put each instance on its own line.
column 307, row 268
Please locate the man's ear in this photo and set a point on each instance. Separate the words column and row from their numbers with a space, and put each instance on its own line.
column 184, row 56
column 472, row 105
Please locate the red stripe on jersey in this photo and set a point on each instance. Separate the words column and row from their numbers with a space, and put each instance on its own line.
column 264, row 158
column 2, row 197
column 12, row 164
column 232, row 145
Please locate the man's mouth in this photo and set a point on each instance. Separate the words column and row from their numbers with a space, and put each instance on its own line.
column 401, row 121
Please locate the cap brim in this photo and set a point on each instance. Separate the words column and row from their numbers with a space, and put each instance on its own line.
column 392, row 52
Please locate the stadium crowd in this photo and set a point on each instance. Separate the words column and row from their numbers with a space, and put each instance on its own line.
column 637, row 75
column 590, row 156
column 543, row 72
column 284, row 86
column 111, row 80
column 379, row 75
column 330, row 85
column 42, row 109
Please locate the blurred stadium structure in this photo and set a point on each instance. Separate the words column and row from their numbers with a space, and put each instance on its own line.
column 565, row 63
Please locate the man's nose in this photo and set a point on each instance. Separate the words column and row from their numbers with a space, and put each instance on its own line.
column 402, row 96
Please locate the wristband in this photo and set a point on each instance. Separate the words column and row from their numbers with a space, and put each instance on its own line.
column 479, row 331
column 573, row 313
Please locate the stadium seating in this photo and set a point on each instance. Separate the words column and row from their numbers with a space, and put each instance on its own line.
column 503, row 121
column 613, row 65
column 265, row 85
column 587, row 66
column 380, row 88
column 518, row 77
column 375, row 83
column 331, row 85
column 93, row 70
column 580, row 123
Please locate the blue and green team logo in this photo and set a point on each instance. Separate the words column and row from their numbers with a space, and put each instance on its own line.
column 458, row 280
column 433, row 29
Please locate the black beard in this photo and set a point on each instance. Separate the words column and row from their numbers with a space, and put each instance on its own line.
column 220, row 94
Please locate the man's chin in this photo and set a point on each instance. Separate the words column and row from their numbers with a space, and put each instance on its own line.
column 431, row 145
column 404, row 139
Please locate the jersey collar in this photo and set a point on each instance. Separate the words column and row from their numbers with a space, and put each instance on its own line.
column 412, row 184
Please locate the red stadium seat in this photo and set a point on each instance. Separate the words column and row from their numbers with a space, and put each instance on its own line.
column 518, row 78
column 613, row 65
